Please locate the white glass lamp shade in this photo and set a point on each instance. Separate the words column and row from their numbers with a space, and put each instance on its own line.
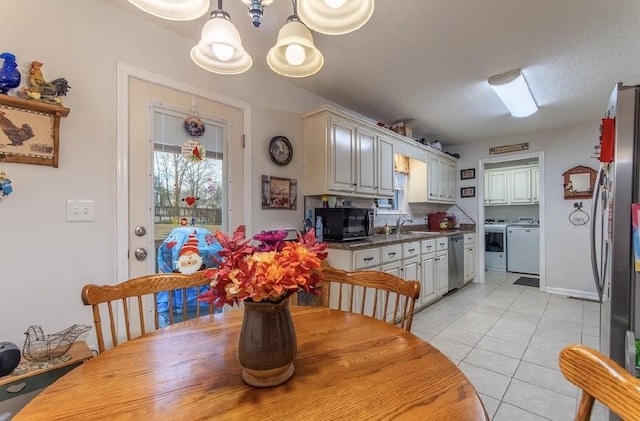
column 513, row 91
column 173, row 9
column 335, row 17
column 286, row 51
column 220, row 48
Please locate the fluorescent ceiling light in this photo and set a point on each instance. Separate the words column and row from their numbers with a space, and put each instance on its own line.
column 513, row 91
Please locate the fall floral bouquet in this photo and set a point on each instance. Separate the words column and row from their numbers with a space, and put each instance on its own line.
column 267, row 272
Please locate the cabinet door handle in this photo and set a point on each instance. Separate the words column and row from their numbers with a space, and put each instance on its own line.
column 366, row 259
column 391, row 254
column 412, row 250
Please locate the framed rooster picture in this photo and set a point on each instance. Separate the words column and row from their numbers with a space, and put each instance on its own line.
column 29, row 130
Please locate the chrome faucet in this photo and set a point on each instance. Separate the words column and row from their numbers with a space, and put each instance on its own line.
column 400, row 224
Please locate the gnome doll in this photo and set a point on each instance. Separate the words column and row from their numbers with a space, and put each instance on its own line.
column 189, row 259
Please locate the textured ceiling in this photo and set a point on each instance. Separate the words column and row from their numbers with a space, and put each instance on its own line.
column 426, row 62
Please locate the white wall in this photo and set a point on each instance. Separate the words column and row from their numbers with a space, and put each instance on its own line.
column 568, row 265
column 45, row 261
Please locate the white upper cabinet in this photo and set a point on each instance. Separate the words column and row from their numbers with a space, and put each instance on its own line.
column 417, row 189
column 343, row 147
column 434, row 178
column 366, row 162
column 346, row 155
column 520, row 185
column 535, row 185
column 442, row 179
column 385, row 166
column 451, row 196
column 496, row 187
column 512, row 186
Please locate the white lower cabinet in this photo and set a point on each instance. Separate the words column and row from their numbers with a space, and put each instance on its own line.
column 435, row 269
column 428, row 275
column 469, row 257
column 349, row 261
column 442, row 266
column 442, row 272
column 425, row 261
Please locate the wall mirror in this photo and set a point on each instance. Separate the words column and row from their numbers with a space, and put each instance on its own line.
column 579, row 182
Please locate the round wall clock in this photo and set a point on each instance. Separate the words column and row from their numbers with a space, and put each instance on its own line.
column 280, row 150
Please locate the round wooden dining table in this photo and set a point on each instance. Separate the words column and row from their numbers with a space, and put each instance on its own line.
column 348, row 367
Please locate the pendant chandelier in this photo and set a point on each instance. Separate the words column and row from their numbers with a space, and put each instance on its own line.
column 294, row 55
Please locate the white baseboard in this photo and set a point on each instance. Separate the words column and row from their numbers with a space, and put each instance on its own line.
column 573, row 293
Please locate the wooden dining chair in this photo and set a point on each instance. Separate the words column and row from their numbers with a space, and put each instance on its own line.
column 602, row 379
column 120, row 302
column 376, row 294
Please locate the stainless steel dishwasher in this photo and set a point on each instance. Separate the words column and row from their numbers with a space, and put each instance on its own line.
column 456, row 261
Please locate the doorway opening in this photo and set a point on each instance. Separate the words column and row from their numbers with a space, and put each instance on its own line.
column 511, row 204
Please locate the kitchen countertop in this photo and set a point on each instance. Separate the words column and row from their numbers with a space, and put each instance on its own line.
column 389, row 239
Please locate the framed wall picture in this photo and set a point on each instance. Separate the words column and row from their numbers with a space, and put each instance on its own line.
column 29, row 130
column 279, row 193
column 468, row 192
column 468, row 174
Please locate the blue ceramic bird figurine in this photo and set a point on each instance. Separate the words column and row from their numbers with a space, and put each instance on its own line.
column 9, row 74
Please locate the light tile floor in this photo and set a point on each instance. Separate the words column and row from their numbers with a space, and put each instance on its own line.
column 506, row 338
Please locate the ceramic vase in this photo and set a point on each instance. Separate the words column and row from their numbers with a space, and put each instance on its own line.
column 267, row 344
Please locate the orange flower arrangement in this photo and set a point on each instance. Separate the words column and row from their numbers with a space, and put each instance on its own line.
column 268, row 272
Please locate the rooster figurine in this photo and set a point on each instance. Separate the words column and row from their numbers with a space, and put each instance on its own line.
column 9, row 74
column 44, row 91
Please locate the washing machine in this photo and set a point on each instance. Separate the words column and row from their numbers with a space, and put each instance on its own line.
column 495, row 245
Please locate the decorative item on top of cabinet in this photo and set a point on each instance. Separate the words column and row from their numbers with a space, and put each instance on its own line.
column 30, row 130
column 579, row 182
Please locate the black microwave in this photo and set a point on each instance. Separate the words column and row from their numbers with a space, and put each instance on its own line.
column 344, row 224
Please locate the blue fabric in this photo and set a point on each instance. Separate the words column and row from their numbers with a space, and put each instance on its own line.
column 168, row 254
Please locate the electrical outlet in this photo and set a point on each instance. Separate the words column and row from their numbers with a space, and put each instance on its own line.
column 80, row 211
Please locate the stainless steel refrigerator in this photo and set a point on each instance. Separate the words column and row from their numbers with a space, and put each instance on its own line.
column 617, row 187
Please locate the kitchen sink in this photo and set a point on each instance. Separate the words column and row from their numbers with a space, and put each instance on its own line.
column 425, row 232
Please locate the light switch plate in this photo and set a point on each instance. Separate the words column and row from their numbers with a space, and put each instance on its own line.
column 80, row 211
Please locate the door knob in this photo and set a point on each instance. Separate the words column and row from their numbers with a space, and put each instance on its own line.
column 140, row 253
column 140, row 231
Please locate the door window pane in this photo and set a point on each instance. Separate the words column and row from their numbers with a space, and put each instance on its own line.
column 185, row 192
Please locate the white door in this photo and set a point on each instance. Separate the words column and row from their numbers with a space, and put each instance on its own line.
column 149, row 112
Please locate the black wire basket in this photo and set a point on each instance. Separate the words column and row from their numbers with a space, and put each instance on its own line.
column 41, row 347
